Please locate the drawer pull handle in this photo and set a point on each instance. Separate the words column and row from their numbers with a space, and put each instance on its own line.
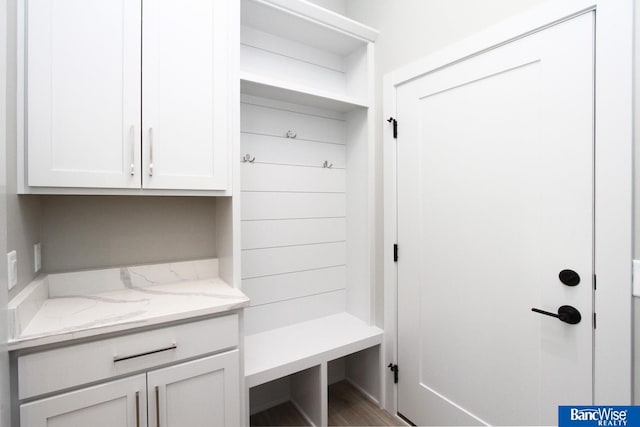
column 137, row 409
column 157, row 406
column 147, row 353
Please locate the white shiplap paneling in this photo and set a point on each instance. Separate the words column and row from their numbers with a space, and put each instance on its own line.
column 288, row 259
column 287, row 151
column 269, row 177
column 293, row 213
column 289, row 232
column 292, row 205
column 268, row 289
column 270, row 316
column 278, row 121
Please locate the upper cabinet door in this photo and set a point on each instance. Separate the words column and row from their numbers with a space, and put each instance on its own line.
column 83, row 93
column 185, row 94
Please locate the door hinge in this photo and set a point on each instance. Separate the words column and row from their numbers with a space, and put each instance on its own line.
column 394, row 369
column 595, row 286
column 594, row 320
column 395, row 126
column 395, row 252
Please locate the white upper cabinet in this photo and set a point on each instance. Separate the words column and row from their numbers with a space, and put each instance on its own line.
column 127, row 95
column 83, row 93
column 185, row 82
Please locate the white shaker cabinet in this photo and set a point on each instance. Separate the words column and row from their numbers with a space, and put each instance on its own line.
column 198, row 393
column 83, row 93
column 203, row 392
column 116, row 403
column 126, row 94
column 181, row 375
column 184, row 94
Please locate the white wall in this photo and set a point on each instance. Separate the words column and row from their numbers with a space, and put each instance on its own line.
column 4, row 360
column 81, row 232
column 409, row 30
column 23, row 212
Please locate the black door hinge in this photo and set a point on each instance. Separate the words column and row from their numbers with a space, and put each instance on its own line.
column 594, row 321
column 395, row 127
column 394, row 369
column 595, row 282
column 395, row 252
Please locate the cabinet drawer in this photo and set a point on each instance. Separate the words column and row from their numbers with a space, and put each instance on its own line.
column 71, row 366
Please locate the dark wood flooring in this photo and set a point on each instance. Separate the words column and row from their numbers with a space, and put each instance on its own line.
column 347, row 407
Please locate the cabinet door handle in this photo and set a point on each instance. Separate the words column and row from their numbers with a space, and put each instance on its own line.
column 117, row 359
column 132, row 137
column 137, row 409
column 150, row 151
column 157, row 406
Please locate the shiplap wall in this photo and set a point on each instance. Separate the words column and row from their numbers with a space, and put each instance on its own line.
column 293, row 213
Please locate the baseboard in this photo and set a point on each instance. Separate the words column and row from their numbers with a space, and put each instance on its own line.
column 303, row 413
column 363, row 391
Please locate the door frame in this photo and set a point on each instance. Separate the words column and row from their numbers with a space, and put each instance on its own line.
column 613, row 186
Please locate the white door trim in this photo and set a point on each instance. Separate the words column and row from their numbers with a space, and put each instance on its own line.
column 613, row 180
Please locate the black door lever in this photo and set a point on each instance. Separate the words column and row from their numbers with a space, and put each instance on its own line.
column 566, row 313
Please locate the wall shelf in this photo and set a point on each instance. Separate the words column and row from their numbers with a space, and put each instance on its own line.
column 257, row 85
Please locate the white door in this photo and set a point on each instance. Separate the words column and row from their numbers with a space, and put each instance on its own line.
column 83, row 93
column 205, row 392
column 495, row 199
column 185, row 94
column 116, row 403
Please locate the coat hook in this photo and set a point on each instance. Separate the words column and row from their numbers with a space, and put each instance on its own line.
column 291, row 134
column 327, row 165
column 248, row 158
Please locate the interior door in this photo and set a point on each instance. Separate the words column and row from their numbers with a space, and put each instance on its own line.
column 495, row 200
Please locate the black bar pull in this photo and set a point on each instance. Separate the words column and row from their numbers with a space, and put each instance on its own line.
column 566, row 313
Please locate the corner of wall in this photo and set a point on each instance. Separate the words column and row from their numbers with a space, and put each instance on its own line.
column 23, row 212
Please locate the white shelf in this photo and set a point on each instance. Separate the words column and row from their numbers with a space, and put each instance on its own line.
column 307, row 23
column 266, row 87
column 279, row 352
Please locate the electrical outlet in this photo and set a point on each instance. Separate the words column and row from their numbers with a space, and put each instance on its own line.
column 12, row 269
column 37, row 257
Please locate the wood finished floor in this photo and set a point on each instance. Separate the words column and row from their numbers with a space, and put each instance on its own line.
column 347, row 407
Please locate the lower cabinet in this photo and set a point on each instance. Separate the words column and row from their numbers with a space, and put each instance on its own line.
column 116, row 403
column 202, row 392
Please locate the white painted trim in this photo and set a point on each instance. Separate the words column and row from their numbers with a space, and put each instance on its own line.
column 390, row 202
column 636, row 278
column 21, row 95
column 613, row 182
column 614, row 202
column 371, row 184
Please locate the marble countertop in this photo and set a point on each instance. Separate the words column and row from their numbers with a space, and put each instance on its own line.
column 67, row 306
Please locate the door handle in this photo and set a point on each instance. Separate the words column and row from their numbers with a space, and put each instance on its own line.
column 566, row 313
